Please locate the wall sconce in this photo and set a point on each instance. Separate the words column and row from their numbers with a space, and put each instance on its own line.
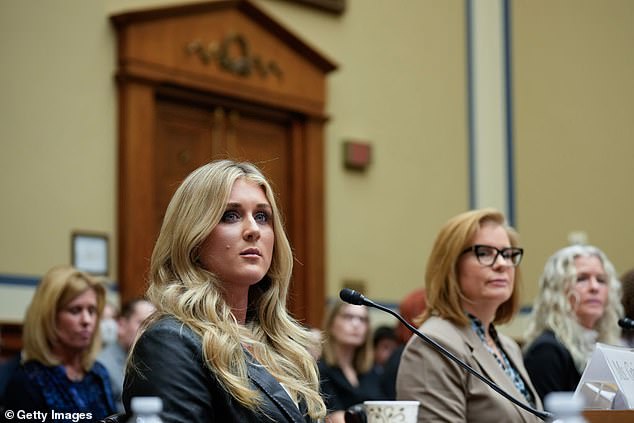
column 356, row 154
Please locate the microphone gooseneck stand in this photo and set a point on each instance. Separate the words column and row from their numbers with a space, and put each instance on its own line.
column 353, row 297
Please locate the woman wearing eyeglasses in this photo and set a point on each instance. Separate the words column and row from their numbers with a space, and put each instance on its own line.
column 578, row 305
column 472, row 283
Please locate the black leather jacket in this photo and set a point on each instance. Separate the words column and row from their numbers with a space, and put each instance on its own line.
column 167, row 362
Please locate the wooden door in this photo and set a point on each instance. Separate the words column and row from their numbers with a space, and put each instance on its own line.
column 190, row 133
column 219, row 79
column 183, row 143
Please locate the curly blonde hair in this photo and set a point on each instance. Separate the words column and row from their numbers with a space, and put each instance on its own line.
column 180, row 287
column 553, row 309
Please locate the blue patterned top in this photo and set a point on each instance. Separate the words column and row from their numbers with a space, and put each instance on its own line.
column 504, row 363
column 91, row 395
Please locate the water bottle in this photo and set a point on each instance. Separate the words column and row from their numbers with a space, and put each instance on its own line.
column 146, row 410
column 565, row 407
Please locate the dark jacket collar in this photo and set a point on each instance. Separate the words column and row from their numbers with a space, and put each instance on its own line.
column 274, row 391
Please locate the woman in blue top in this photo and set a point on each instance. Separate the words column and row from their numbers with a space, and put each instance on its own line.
column 58, row 374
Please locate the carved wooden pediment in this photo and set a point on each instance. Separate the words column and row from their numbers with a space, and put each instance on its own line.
column 226, row 46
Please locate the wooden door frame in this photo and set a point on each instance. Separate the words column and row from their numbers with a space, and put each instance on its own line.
column 140, row 81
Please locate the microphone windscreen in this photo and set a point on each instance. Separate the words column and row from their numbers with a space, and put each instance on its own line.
column 351, row 296
column 626, row 323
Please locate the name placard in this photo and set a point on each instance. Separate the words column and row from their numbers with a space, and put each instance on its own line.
column 608, row 380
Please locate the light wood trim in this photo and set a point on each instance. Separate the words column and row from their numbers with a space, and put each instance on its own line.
column 609, row 416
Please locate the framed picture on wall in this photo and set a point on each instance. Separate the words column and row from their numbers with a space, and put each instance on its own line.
column 89, row 252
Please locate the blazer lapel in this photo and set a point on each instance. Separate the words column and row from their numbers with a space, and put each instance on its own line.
column 515, row 359
column 490, row 366
column 274, row 391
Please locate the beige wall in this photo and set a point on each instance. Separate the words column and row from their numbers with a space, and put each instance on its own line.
column 57, row 132
column 574, row 127
column 401, row 85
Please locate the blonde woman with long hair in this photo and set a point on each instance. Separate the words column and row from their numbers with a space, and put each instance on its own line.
column 578, row 305
column 58, row 371
column 221, row 346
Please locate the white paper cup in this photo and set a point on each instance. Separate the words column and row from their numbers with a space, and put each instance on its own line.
column 391, row 411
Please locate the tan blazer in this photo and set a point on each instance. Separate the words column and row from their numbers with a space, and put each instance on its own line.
column 447, row 392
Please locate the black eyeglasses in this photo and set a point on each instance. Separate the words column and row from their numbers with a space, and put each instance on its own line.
column 487, row 255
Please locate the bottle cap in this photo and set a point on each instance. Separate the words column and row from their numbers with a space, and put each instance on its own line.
column 146, row 405
column 563, row 403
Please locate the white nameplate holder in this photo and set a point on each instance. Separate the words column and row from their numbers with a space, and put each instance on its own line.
column 608, row 380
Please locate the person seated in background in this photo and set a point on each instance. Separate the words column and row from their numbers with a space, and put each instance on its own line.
column 578, row 305
column 472, row 283
column 384, row 342
column 60, row 342
column 346, row 369
column 222, row 346
column 108, row 324
column 114, row 355
column 410, row 308
column 627, row 299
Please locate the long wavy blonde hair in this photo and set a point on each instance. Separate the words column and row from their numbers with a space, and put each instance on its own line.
column 179, row 286
column 553, row 309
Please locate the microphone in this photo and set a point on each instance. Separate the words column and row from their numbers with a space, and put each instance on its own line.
column 625, row 323
column 353, row 297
